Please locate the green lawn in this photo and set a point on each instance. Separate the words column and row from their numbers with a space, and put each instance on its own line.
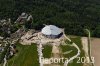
column 77, row 40
column 65, row 48
column 47, row 51
column 26, row 56
column 68, row 48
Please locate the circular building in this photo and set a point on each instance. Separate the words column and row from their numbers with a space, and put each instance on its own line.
column 51, row 31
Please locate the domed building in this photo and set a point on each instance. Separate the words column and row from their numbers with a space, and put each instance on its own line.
column 52, row 31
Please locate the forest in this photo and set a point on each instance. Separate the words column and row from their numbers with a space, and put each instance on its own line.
column 72, row 15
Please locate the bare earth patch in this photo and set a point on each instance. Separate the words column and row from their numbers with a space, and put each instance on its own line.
column 96, row 50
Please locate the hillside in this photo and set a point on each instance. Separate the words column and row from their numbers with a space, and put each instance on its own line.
column 27, row 54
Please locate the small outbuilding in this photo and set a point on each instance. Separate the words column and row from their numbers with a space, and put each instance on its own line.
column 52, row 31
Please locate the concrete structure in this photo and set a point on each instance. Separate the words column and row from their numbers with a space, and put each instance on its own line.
column 51, row 31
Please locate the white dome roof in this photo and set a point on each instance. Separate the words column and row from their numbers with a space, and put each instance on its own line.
column 51, row 30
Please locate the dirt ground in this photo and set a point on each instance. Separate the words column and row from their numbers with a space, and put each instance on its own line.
column 56, row 53
column 85, row 45
column 96, row 50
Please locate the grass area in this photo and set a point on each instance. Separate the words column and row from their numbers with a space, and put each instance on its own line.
column 26, row 56
column 47, row 51
column 65, row 48
column 77, row 40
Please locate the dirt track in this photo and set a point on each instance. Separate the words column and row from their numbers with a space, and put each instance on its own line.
column 96, row 50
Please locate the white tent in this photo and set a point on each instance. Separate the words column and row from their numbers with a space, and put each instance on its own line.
column 51, row 30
